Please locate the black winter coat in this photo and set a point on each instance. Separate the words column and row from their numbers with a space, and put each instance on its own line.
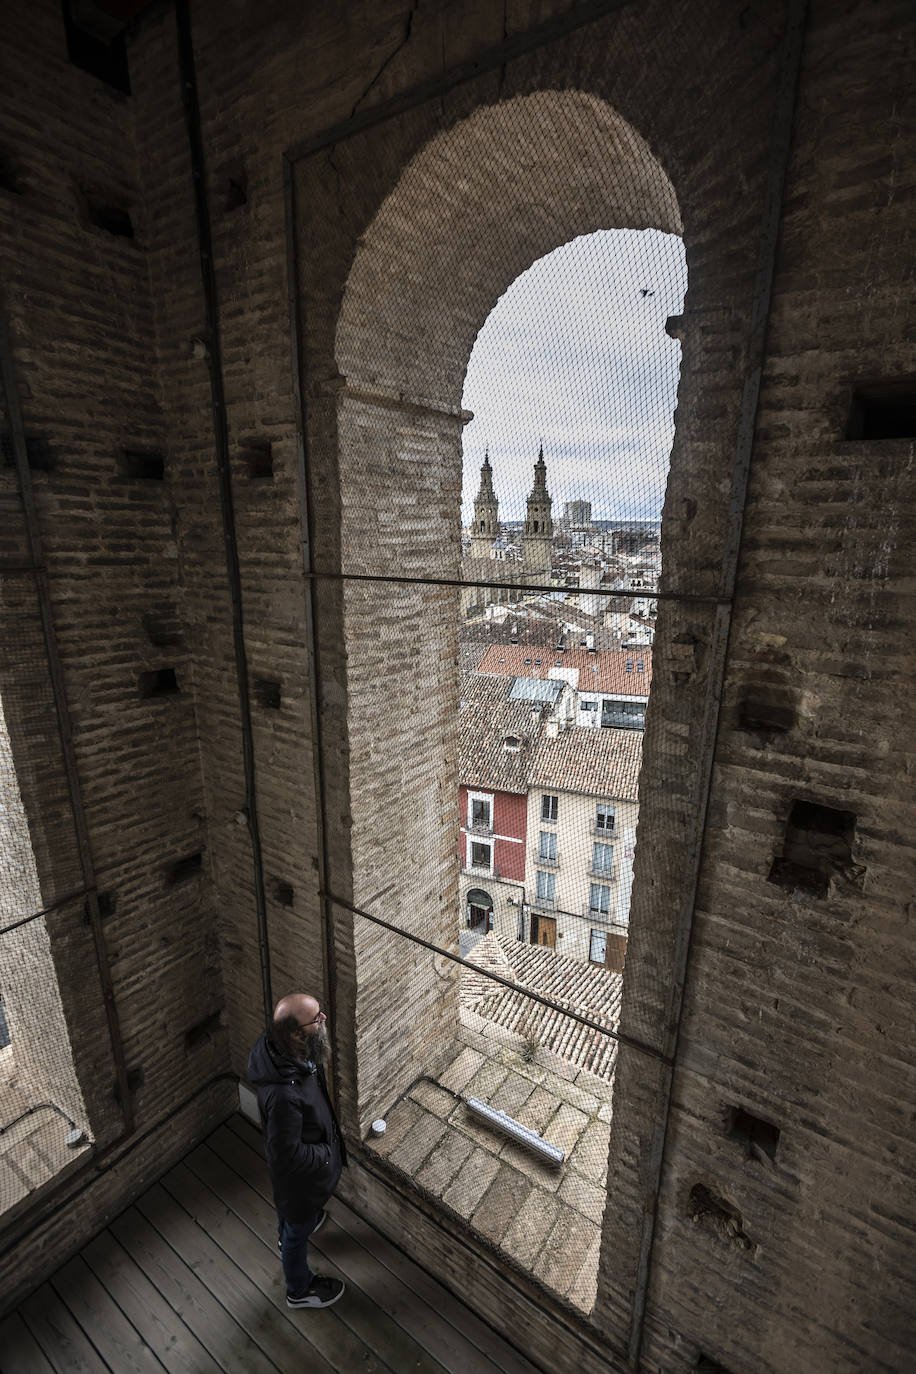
column 305, row 1152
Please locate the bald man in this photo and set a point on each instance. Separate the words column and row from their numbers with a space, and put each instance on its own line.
column 305, row 1151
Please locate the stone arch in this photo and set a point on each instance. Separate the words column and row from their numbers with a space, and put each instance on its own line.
column 473, row 208
column 538, row 170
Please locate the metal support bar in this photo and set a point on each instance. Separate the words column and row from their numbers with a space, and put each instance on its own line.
column 307, row 535
column 686, row 597
column 224, row 472
column 46, row 910
column 61, row 706
column 649, row 1050
column 780, row 148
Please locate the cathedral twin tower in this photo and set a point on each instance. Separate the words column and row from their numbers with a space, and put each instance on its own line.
column 538, row 534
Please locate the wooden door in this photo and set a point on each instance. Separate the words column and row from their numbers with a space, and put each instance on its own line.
column 546, row 932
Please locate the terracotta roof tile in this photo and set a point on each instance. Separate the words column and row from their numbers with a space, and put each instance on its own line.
column 589, row 989
column 611, row 665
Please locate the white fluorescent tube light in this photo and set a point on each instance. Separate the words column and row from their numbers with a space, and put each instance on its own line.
column 516, row 1131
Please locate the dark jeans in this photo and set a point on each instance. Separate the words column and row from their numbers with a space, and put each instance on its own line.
column 294, row 1242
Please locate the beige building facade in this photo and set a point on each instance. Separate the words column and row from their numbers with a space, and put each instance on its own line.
column 579, row 872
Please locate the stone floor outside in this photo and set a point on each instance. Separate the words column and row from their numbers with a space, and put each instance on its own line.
column 546, row 1219
column 33, row 1140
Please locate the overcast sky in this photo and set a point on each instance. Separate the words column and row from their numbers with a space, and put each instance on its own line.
column 576, row 355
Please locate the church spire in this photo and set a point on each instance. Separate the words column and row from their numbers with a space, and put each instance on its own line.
column 486, row 478
column 485, row 525
column 538, row 541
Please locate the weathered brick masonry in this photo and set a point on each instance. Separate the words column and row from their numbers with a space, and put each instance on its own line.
column 797, row 1006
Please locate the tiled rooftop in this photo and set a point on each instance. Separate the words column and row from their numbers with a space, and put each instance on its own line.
column 587, row 988
column 596, row 762
column 604, row 670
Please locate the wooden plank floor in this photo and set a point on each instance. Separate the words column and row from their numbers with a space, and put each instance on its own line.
column 189, row 1280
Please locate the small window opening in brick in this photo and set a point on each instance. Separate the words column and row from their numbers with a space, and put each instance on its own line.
column 267, row 694
column 283, row 893
column 10, row 179
column 183, row 870
column 107, row 905
column 161, row 682
column 715, row 1213
column 96, row 43
column 883, row 410
column 144, row 465
column 760, row 1138
column 202, row 1031
column 758, row 714
column 818, row 843
column 114, row 219
column 259, row 458
column 236, row 192
column 135, row 1078
column 39, row 455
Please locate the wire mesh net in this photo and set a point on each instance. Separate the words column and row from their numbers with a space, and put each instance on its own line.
column 501, row 426
column 44, row 938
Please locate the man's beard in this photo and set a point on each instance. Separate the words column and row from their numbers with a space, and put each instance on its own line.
column 317, row 1046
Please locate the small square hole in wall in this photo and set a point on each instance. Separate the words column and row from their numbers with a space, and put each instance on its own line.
column 202, row 1031
column 145, row 465
column 267, row 694
column 764, row 716
column 161, row 682
column 236, row 192
column 817, row 843
column 107, row 906
column 184, row 869
column 759, row 1138
column 114, row 219
column 96, row 42
column 283, row 893
column 883, row 410
column 10, row 179
column 259, row 459
column 135, row 1077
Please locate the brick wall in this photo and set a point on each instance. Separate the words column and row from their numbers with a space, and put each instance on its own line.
column 795, row 1005
column 84, row 348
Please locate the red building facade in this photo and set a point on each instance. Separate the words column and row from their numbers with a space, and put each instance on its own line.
column 492, row 833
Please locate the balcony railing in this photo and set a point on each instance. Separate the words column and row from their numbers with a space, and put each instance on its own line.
column 543, row 861
column 603, row 875
column 480, row 871
column 544, row 903
column 605, row 918
column 603, row 832
column 480, row 828
column 618, row 720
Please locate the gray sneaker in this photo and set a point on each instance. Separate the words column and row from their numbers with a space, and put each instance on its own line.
column 323, row 1292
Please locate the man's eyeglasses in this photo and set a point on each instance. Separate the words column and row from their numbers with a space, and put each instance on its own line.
column 304, row 1025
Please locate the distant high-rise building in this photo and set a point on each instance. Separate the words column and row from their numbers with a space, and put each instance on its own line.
column 538, row 535
column 577, row 513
